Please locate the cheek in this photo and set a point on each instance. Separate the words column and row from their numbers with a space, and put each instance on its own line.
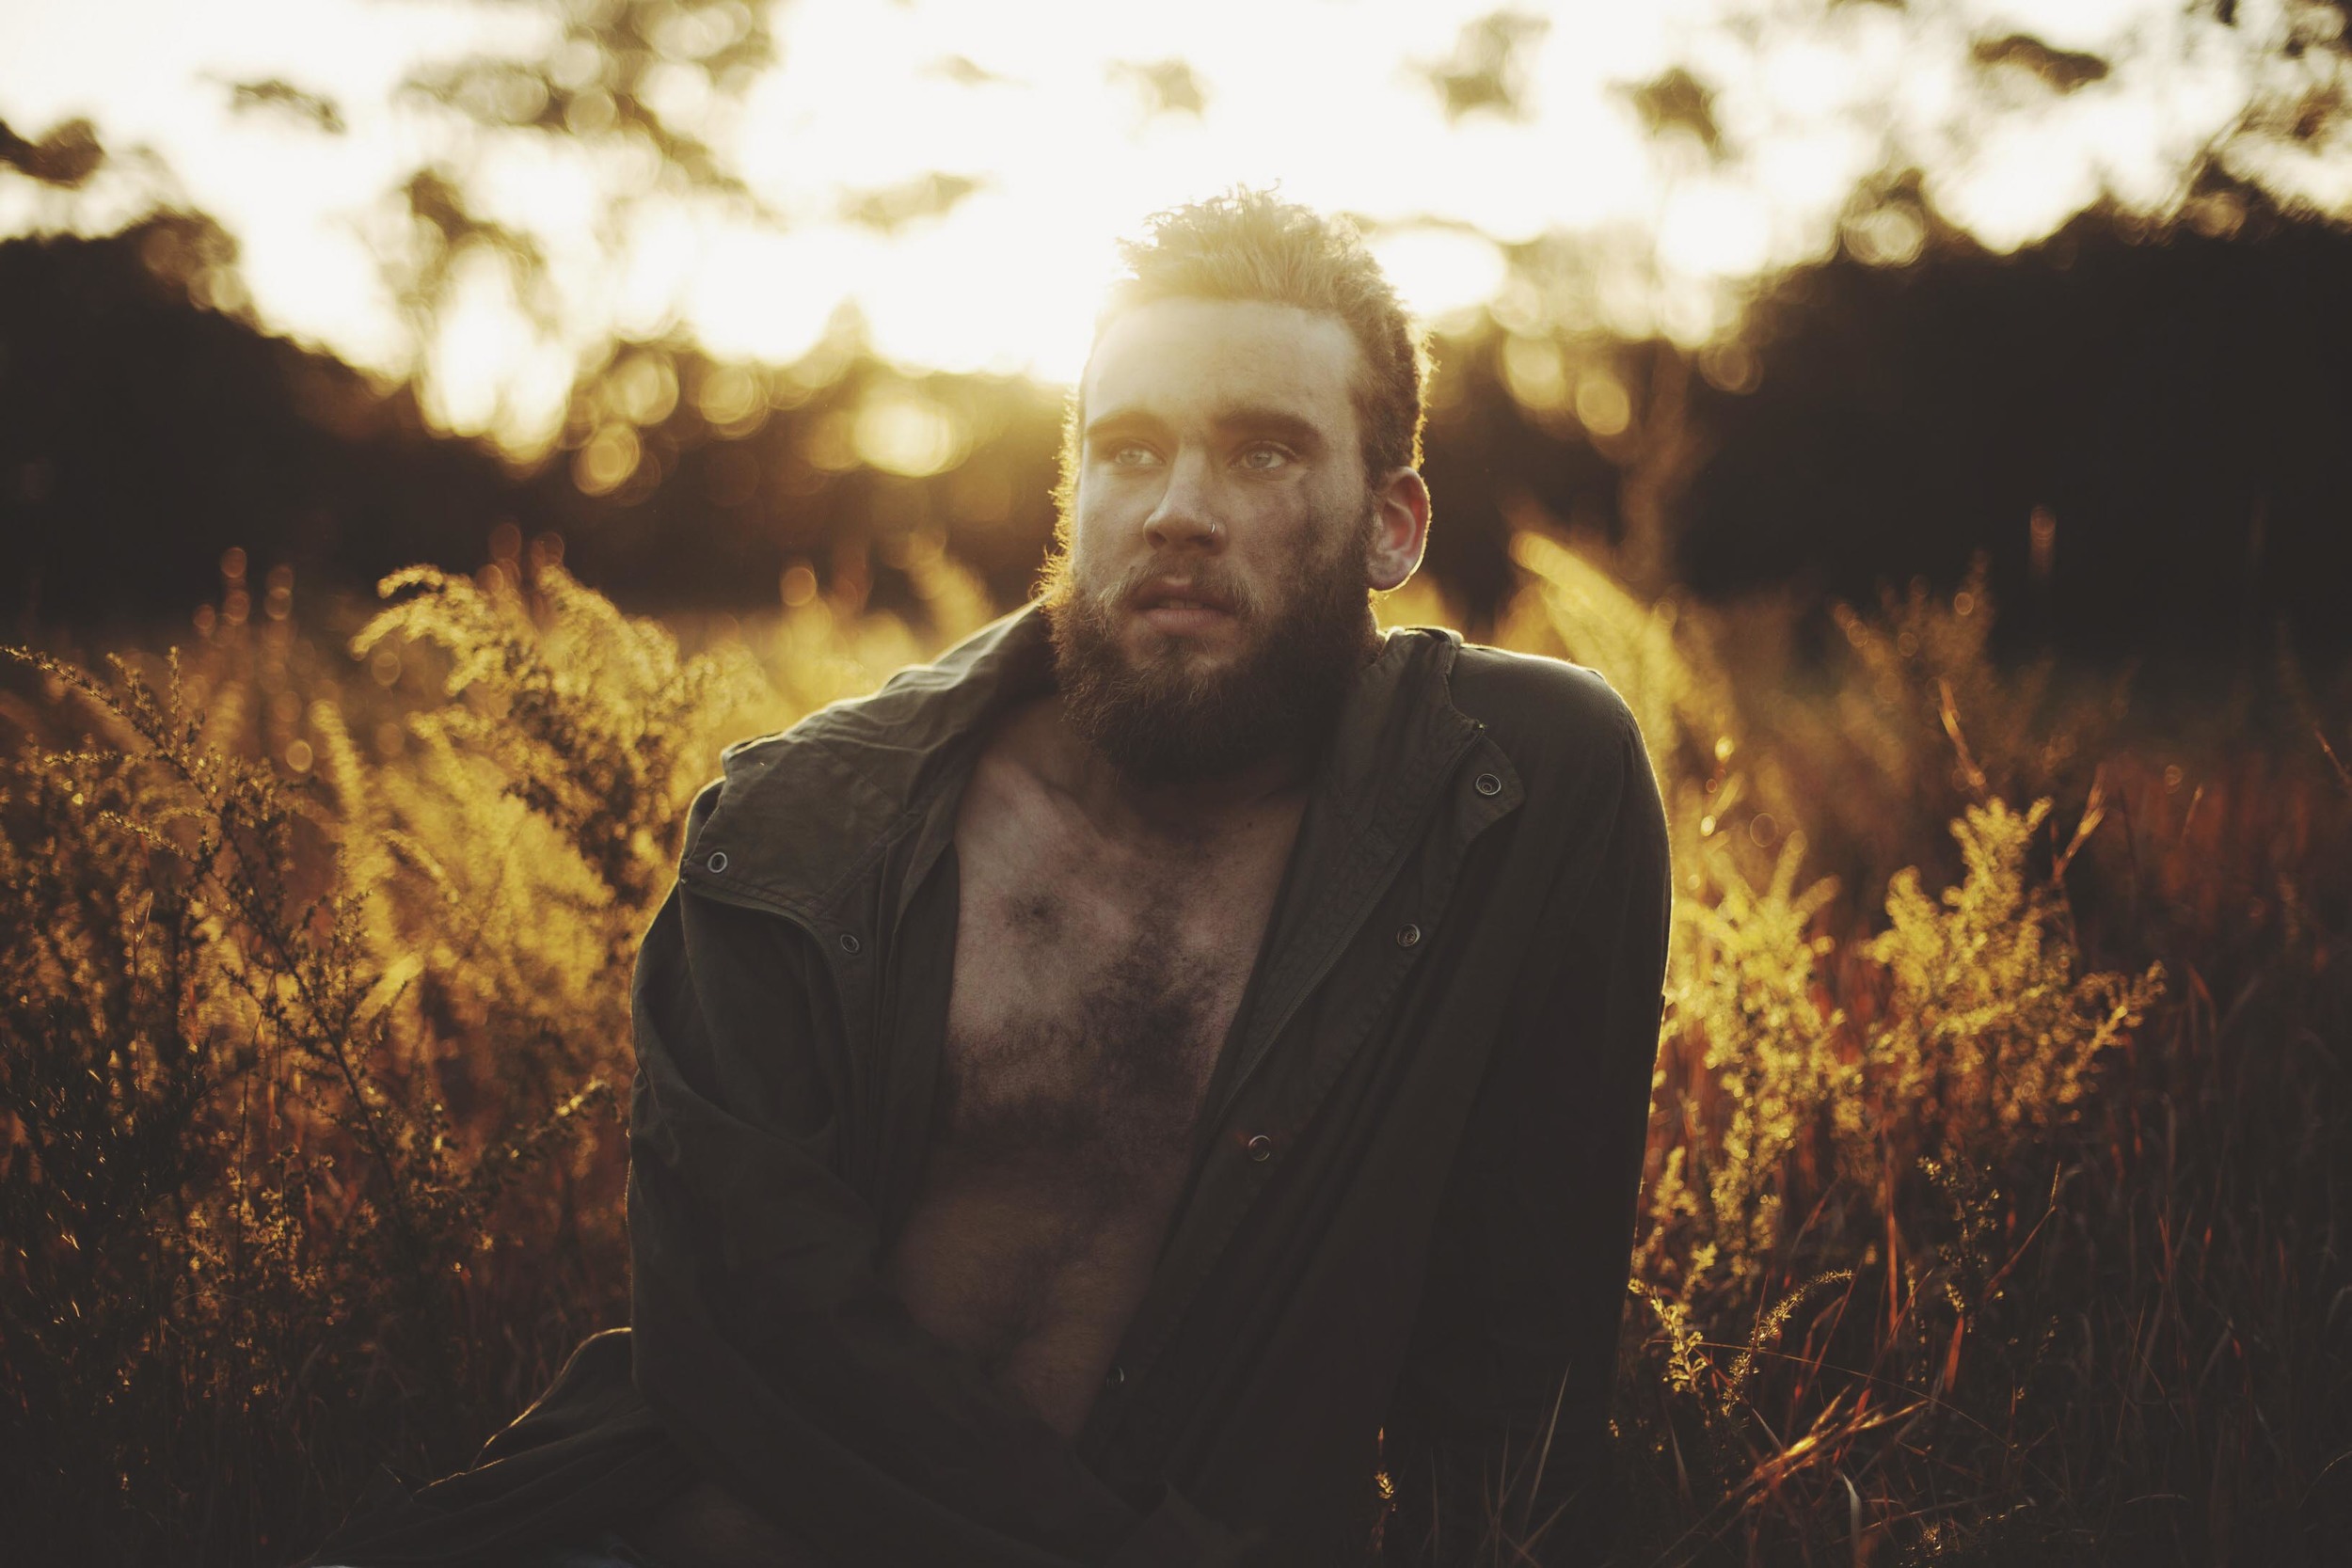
column 1293, row 519
column 1093, row 526
column 1326, row 527
column 1108, row 514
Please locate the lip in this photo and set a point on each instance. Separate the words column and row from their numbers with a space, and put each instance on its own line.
column 1181, row 591
column 1182, row 607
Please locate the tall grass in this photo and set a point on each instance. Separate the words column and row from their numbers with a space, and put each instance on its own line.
column 1992, row 1191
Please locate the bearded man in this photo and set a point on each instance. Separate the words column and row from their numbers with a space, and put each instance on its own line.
column 1165, row 1084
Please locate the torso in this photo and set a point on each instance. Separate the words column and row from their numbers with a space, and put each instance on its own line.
column 1094, row 981
column 1095, row 978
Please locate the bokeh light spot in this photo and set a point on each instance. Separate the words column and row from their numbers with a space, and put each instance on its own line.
column 606, row 462
column 1731, row 368
column 907, row 435
column 1531, row 368
column 644, row 389
column 728, row 395
column 1601, row 405
column 1890, row 236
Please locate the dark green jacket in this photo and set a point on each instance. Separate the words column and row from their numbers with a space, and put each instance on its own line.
column 1408, row 1211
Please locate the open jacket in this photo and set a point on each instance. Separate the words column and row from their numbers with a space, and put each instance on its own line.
column 1399, row 1260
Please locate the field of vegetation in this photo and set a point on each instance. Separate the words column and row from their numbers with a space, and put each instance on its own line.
column 1997, row 1149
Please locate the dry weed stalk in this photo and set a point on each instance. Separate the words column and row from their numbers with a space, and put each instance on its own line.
column 1993, row 1223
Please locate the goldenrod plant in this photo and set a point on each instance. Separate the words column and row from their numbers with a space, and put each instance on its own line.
column 1991, row 1207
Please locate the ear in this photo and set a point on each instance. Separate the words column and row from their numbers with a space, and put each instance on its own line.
column 1399, row 529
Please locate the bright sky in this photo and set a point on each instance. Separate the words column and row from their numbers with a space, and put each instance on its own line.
column 1320, row 95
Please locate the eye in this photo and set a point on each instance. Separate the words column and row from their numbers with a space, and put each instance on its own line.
column 1263, row 458
column 1132, row 455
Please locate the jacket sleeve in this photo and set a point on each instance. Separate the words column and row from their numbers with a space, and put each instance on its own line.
column 763, row 1337
column 1499, row 1424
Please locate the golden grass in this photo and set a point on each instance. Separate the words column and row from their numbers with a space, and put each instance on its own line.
column 1992, row 1191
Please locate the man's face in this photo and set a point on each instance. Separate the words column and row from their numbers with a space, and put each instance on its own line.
column 1214, row 601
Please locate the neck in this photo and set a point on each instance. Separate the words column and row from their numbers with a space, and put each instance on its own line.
column 1178, row 811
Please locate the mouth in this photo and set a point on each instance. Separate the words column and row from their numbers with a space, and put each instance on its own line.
column 1182, row 607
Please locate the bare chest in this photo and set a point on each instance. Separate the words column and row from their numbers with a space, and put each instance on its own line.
column 1092, row 991
column 1097, row 972
column 1085, row 1020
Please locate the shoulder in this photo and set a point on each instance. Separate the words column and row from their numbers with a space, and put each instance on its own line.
column 802, row 806
column 872, row 753
column 1548, row 716
column 1577, row 749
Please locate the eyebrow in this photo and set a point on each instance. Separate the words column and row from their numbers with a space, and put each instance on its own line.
column 1272, row 422
column 1276, row 423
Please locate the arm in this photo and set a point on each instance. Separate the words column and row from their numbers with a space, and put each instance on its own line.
column 1504, row 1395
column 763, row 1335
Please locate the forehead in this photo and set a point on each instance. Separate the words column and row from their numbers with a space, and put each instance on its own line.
column 1176, row 358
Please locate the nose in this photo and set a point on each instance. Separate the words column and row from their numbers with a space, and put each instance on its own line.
column 1183, row 519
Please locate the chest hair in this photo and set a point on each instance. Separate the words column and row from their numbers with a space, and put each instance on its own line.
column 1085, row 1022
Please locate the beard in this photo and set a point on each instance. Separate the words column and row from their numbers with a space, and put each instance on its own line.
column 1165, row 716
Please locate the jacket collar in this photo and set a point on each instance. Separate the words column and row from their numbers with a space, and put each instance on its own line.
column 881, row 765
column 871, row 764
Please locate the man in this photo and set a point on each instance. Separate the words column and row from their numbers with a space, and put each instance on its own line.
column 1165, row 1084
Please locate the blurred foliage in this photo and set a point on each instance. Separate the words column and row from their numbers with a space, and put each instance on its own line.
column 312, row 1006
column 620, row 75
column 2061, row 69
column 2166, row 375
column 1163, row 86
column 1675, row 100
column 1974, row 1218
column 637, row 89
column 2284, row 67
column 1488, row 68
column 65, row 155
column 640, row 99
column 276, row 95
column 2166, row 400
column 1970, row 1229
